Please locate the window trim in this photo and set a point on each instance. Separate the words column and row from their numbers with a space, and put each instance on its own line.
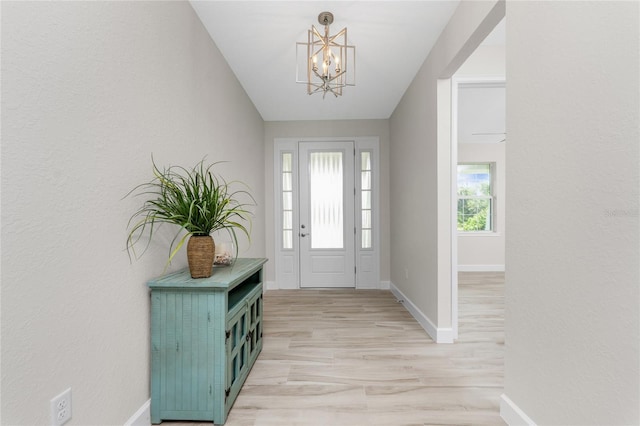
column 492, row 197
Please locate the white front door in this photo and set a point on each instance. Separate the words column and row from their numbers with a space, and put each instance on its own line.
column 326, row 224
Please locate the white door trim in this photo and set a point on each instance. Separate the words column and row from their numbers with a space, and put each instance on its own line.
column 287, row 269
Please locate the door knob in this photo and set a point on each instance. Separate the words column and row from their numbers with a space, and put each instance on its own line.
column 303, row 235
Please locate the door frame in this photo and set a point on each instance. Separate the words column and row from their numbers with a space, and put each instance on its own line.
column 456, row 82
column 287, row 265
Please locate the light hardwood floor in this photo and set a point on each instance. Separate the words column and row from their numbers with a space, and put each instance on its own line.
column 344, row 357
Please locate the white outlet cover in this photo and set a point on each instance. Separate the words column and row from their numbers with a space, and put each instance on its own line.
column 61, row 408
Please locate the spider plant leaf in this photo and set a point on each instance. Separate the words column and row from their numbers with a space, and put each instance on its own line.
column 196, row 199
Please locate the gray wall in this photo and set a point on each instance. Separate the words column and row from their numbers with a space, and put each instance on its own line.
column 89, row 91
column 335, row 128
column 421, row 169
column 572, row 298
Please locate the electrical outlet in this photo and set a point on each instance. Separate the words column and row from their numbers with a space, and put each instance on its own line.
column 61, row 408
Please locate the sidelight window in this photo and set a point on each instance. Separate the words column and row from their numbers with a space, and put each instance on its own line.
column 287, row 200
column 366, row 210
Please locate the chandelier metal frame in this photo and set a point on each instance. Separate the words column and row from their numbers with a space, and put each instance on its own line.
column 330, row 60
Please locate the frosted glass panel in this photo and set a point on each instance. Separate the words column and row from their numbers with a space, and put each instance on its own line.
column 366, row 218
column 366, row 161
column 365, row 195
column 366, row 180
column 286, row 162
column 287, row 201
column 287, row 220
column 286, row 182
column 366, row 238
column 325, row 180
column 366, row 200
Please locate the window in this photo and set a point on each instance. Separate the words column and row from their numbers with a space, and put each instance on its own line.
column 366, row 224
column 287, row 200
column 326, row 199
column 475, row 197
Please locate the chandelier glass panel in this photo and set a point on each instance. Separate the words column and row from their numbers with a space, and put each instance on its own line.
column 325, row 63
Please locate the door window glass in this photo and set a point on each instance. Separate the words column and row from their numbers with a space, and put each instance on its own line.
column 326, row 195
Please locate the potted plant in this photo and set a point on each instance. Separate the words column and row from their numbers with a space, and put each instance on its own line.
column 199, row 202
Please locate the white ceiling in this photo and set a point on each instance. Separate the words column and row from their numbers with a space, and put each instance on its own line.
column 392, row 39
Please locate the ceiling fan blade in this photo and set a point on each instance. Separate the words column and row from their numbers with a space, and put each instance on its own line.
column 492, row 134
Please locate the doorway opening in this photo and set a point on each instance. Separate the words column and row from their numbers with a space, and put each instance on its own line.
column 478, row 142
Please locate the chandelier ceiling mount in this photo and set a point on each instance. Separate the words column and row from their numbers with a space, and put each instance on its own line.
column 325, row 18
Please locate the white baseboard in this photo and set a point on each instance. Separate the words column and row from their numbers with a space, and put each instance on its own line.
column 142, row 417
column 442, row 335
column 512, row 414
column 481, row 268
column 367, row 286
column 445, row 335
column 383, row 285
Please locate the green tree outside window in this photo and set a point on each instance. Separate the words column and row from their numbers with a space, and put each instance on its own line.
column 475, row 198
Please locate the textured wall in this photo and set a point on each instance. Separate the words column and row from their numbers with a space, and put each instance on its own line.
column 421, row 170
column 89, row 91
column 338, row 128
column 485, row 61
column 572, row 294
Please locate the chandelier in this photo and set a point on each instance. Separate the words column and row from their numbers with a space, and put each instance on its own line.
column 328, row 60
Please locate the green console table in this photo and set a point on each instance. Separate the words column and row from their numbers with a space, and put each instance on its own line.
column 205, row 336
